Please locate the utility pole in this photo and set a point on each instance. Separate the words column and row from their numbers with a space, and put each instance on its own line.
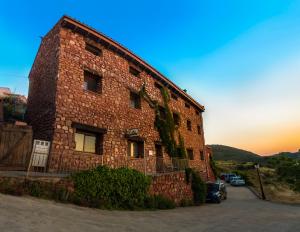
column 260, row 182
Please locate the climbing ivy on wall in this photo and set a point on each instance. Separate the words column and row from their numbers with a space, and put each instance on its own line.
column 165, row 124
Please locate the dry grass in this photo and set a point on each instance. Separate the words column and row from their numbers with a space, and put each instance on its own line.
column 275, row 190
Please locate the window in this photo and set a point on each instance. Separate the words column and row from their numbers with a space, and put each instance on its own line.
column 134, row 71
column 174, row 96
column 92, row 49
column 189, row 125
column 158, row 86
column 187, row 105
column 201, row 155
column 190, row 153
column 176, row 119
column 92, row 82
column 88, row 142
column 162, row 112
column 135, row 100
column 199, row 129
column 136, row 149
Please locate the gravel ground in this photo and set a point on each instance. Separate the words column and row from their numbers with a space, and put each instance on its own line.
column 242, row 211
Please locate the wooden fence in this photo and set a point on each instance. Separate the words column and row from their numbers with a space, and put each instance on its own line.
column 15, row 146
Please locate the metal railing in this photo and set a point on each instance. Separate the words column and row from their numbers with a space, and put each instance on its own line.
column 148, row 165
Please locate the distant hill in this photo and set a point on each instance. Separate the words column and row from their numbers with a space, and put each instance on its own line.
column 295, row 155
column 222, row 152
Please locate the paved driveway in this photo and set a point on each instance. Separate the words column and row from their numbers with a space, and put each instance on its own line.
column 240, row 212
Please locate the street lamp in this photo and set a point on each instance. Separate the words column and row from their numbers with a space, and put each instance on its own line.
column 260, row 182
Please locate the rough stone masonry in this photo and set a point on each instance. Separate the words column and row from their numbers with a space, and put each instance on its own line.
column 83, row 98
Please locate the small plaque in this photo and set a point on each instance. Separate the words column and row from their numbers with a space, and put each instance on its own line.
column 132, row 132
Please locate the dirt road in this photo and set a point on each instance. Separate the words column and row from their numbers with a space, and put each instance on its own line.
column 240, row 212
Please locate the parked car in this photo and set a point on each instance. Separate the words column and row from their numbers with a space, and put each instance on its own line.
column 237, row 181
column 216, row 191
column 227, row 176
column 223, row 176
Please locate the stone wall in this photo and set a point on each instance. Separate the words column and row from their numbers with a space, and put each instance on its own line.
column 69, row 103
column 42, row 87
column 173, row 186
column 170, row 185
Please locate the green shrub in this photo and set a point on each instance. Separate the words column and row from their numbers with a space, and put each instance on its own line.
column 245, row 166
column 214, row 167
column 186, row 202
column 288, row 170
column 198, row 186
column 297, row 186
column 12, row 188
column 61, row 194
column 158, row 202
column 34, row 189
column 111, row 188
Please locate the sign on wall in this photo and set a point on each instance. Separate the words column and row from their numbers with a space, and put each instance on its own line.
column 132, row 132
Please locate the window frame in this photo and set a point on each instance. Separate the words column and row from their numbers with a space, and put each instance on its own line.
column 189, row 125
column 98, row 141
column 190, row 153
column 176, row 119
column 187, row 105
column 134, row 71
column 93, row 49
column 140, row 148
column 199, row 129
column 174, row 96
column 136, row 99
column 98, row 81
column 202, row 157
column 158, row 85
column 162, row 112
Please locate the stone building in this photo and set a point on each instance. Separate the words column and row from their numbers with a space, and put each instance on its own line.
column 83, row 97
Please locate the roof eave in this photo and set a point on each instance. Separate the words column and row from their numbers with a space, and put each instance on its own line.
column 132, row 55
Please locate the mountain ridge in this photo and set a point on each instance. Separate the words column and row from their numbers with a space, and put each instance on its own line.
column 226, row 153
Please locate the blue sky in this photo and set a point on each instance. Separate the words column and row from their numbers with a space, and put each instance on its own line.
column 240, row 58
